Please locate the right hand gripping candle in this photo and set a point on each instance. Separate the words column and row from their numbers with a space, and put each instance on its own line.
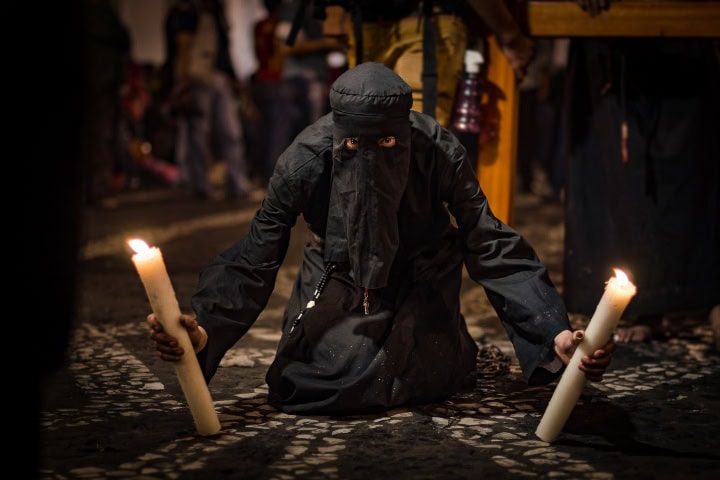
column 618, row 293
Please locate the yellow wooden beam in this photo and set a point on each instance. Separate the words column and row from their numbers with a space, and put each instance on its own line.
column 628, row 18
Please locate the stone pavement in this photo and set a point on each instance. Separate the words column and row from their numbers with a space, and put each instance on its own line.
column 117, row 411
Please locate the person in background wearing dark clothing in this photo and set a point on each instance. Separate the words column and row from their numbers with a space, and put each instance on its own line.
column 374, row 319
column 107, row 53
column 305, row 61
column 539, row 151
column 643, row 182
column 202, row 98
column 270, row 106
column 305, row 73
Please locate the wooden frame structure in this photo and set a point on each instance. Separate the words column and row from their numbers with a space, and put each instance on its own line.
column 626, row 18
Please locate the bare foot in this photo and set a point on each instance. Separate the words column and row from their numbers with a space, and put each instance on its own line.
column 636, row 333
column 715, row 325
column 643, row 329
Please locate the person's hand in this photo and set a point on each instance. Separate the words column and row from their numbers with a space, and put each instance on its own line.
column 519, row 50
column 593, row 366
column 167, row 346
column 594, row 7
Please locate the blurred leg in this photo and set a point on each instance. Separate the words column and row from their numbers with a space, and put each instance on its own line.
column 227, row 133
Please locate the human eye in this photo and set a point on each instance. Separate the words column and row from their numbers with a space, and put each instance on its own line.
column 387, row 142
column 352, row 143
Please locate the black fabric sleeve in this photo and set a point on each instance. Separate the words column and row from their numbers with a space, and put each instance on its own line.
column 236, row 286
column 505, row 264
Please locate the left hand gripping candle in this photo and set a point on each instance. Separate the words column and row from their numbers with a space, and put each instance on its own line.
column 151, row 268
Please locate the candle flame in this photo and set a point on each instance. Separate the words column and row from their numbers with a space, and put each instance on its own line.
column 622, row 279
column 139, row 246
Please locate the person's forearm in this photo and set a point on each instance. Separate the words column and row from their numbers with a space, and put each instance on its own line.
column 497, row 16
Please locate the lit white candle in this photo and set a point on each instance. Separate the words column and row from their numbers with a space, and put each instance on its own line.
column 618, row 293
column 151, row 268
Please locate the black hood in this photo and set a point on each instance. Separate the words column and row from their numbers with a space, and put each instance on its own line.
column 369, row 102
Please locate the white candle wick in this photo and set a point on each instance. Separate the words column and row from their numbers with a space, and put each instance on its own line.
column 139, row 246
column 620, row 278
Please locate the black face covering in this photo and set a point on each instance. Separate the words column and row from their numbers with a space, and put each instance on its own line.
column 370, row 102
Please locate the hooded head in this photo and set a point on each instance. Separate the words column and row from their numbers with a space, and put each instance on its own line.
column 371, row 157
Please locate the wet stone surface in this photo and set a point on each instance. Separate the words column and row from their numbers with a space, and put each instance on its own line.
column 117, row 411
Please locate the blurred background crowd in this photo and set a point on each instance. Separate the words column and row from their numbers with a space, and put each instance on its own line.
column 193, row 94
column 196, row 94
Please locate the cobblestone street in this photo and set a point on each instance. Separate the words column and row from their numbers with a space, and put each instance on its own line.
column 117, row 411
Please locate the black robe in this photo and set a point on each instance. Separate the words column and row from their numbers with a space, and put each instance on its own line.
column 413, row 345
column 656, row 215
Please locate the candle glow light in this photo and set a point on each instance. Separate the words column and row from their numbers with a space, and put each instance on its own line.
column 151, row 268
column 618, row 293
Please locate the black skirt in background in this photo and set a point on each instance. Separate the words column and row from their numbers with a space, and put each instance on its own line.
column 656, row 215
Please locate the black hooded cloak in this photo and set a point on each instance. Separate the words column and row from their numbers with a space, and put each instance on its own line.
column 391, row 235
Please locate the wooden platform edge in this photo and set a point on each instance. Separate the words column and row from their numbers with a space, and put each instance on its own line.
column 629, row 18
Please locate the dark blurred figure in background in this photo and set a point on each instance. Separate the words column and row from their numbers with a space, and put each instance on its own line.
column 108, row 51
column 539, row 155
column 643, row 183
column 305, row 65
column 305, row 73
column 202, row 98
column 270, row 107
column 244, row 17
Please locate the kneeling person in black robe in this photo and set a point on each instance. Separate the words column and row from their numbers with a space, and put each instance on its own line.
column 374, row 318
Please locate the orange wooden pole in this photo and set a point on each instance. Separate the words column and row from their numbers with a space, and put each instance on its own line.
column 497, row 158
